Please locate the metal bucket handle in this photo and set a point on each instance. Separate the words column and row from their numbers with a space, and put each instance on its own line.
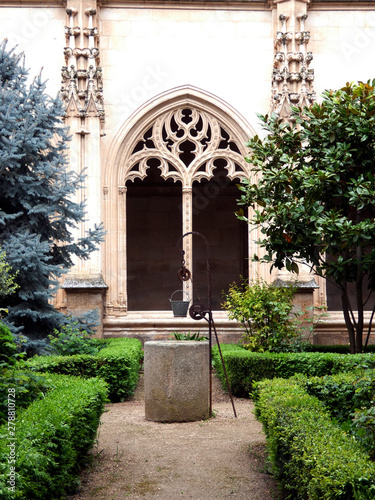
column 183, row 291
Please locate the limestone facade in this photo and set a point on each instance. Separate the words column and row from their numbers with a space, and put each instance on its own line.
column 161, row 97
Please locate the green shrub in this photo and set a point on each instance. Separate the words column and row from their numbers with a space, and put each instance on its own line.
column 52, row 438
column 8, row 348
column 71, row 339
column 118, row 364
column 363, row 428
column 342, row 393
column 242, row 367
column 245, row 367
column 312, row 458
column 29, row 387
column 189, row 336
column 266, row 313
column 349, row 398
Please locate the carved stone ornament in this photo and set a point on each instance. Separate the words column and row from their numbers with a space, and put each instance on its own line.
column 294, row 57
column 91, row 32
column 74, row 31
column 292, row 79
column 283, row 38
column 82, row 78
column 186, row 142
column 302, row 37
column 279, row 58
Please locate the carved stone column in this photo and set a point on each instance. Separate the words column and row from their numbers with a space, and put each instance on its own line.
column 82, row 81
column 121, row 301
column 292, row 85
column 292, row 78
column 187, row 227
column 82, row 93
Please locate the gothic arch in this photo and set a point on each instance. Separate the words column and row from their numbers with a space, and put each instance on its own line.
column 162, row 129
column 141, row 120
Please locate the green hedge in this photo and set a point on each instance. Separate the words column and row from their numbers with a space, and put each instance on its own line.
column 312, row 458
column 52, row 438
column 118, row 364
column 244, row 367
column 30, row 386
column 342, row 393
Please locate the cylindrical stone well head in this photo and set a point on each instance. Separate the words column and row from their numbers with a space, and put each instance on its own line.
column 177, row 380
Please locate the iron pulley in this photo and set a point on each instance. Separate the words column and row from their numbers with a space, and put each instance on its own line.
column 184, row 274
column 197, row 311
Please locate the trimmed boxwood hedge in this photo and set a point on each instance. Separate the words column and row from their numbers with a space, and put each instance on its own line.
column 342, row 393
column 51, row 439
column 311, row 456
column 30, row 386
column 244, row 367
column 118, row 364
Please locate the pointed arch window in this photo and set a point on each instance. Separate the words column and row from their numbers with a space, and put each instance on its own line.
column 185, row 149
column 196, row 152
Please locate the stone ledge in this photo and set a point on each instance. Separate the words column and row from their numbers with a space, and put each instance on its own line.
column 77, row 282
column 306, row 285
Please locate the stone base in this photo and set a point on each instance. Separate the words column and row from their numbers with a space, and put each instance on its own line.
column 83, row 294
column 177, row 385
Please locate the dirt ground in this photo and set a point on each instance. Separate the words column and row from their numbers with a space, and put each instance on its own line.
column 223, row 457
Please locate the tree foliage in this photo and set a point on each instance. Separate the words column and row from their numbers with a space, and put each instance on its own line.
column 71, row 340
column 37, row 211
column 266, row 314
column 314, row 193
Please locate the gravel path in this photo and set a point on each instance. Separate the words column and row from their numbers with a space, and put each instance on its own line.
column 223, row 457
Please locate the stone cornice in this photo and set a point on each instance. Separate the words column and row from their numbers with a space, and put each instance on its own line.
column 189, row 4
column 342, row 5
column 33, row 3
column 331, row 5
column 206, row 5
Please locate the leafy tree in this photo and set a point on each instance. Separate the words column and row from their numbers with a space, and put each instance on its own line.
column 314, row 198
column 266, row 314
column 36, row 192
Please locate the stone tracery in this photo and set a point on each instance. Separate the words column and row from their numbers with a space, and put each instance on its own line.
column 187, row 142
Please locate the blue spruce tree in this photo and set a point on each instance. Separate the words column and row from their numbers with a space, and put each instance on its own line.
column 36, row 191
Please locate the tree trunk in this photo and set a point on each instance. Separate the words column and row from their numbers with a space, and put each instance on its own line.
column 359, row 297
column 348, row 320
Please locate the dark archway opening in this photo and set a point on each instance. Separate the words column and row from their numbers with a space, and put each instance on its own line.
column 214, row 207
column 154, row 226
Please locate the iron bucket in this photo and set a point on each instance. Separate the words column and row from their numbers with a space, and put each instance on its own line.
column 179, row 307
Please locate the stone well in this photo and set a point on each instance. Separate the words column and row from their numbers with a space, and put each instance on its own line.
column 177, row 381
